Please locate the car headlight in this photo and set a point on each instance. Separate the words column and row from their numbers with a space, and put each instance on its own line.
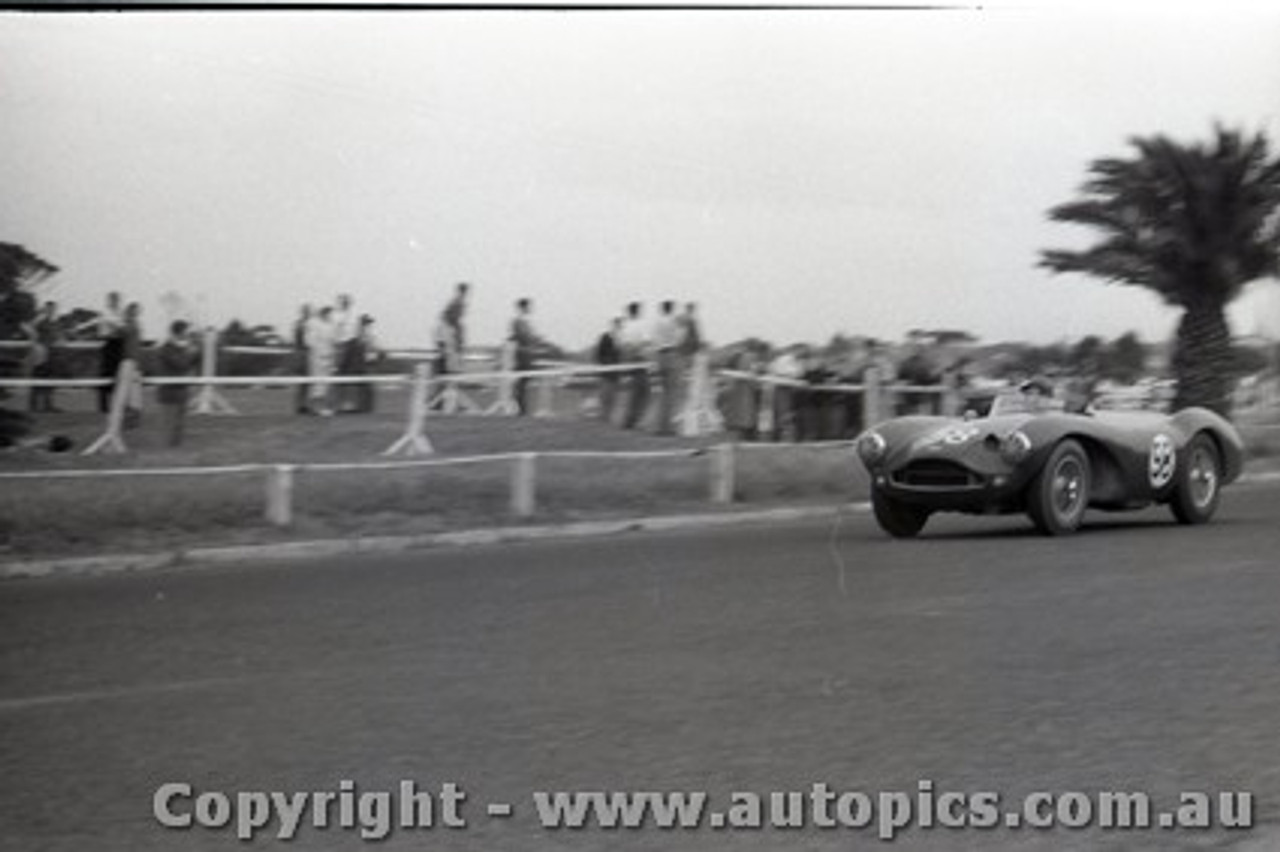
column 872, row 447
column 1015, row 447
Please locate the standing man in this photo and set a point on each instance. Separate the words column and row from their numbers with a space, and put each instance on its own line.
column 527, row 343
column 635, row 347
column 346, row 328
column 668, row 335
column 321, row 351
column 131, row 350
column 301, row 359
column 112, row 333
column 607, row 354
column 692, row 343
column 46, row 360
column 452, row 318
column 178, row 356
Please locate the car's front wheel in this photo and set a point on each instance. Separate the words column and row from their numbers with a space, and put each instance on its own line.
column 1195, row 497
column 898, row 519
column 1059, row 493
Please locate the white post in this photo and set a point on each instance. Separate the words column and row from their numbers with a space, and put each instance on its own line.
column 765, row 424
column 524, row 485
column 209, row 400
column 871, row 398
column 700, row 416
column 724, row 473
column 506, row 401
column 950, row 395
column 414, row 441
column 112, row 440
column 544, row 390
column 280, row 495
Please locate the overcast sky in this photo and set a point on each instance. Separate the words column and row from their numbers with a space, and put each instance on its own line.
column 797, row 173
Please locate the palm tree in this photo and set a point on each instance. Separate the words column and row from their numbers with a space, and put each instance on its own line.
column 1195, row 223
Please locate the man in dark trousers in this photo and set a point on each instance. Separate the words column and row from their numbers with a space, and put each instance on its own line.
column 607, row 354
column 111, row 331
column 178, row 356
column 527, row 343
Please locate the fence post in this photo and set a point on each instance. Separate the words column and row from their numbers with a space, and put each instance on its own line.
column 280, row 495
column 209, row 400
column 414, row 441
column 700, row 416
column 524, row 485
column 950, row 395
column 724, row 472
column 112, row 440
column 544, row 390
column 506, row 402
column 871, row 398
column 766, row 422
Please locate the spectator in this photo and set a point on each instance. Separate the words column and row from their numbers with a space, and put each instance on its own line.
column 346, row 328
column 691, row 341
column 527, row 343
column 321, row 352
column 301, row 359
column 366, row 351
column 178, row 356
column 451, row 320
column 815, row 404
column 741, row 403
column 131, row 349
column 111, row 332
column 789, row 367
column 668, row 335
column 45, row 358
column 607, row 354
column 635, row 348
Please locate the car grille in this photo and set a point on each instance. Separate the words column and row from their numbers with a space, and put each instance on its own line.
column 936, row 473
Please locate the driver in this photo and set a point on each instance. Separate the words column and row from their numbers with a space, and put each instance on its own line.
column 1037, row 393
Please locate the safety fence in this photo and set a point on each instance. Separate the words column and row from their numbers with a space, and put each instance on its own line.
column 504, row 392
column 279, row 479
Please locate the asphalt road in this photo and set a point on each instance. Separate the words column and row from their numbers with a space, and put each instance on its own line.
column 1137, row 655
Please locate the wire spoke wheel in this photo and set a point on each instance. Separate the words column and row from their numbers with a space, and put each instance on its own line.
column 1195, row 497
column 1059, row 493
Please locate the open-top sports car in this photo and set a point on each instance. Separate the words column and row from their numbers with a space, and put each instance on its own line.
column 1053, row 464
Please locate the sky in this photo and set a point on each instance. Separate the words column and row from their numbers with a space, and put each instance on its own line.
column 798, row 173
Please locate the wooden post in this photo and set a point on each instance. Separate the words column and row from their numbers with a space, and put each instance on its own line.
column 524, row 485
column 544, row 390
column 724, row 473
column 871, row 398
column 209, row 400
column 506, row 401
column 414, row 441
column 112, row 440
column 765, row 420
column 950, row 395
column 700, row 416
column 280, row 495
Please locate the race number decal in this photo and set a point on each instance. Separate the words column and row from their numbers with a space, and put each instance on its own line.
column 955, row 435
column 1161, row 461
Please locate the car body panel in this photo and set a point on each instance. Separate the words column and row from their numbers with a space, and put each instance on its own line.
column 957, row 464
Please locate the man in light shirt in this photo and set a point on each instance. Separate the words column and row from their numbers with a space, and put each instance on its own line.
column 111, row 331
column 668, row 336
column 321, row 352
column 634, row 342
column 346, row 328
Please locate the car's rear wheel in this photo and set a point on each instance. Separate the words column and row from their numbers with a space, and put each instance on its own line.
column 1195, row 496
column 1059, row 493
column 898, row 519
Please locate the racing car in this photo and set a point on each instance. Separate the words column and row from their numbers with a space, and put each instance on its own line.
column 1030, row 454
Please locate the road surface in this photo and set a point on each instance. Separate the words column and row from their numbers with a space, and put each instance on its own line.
column 1134, row 656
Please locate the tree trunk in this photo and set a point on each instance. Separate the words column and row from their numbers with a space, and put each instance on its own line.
column 1202, row 358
